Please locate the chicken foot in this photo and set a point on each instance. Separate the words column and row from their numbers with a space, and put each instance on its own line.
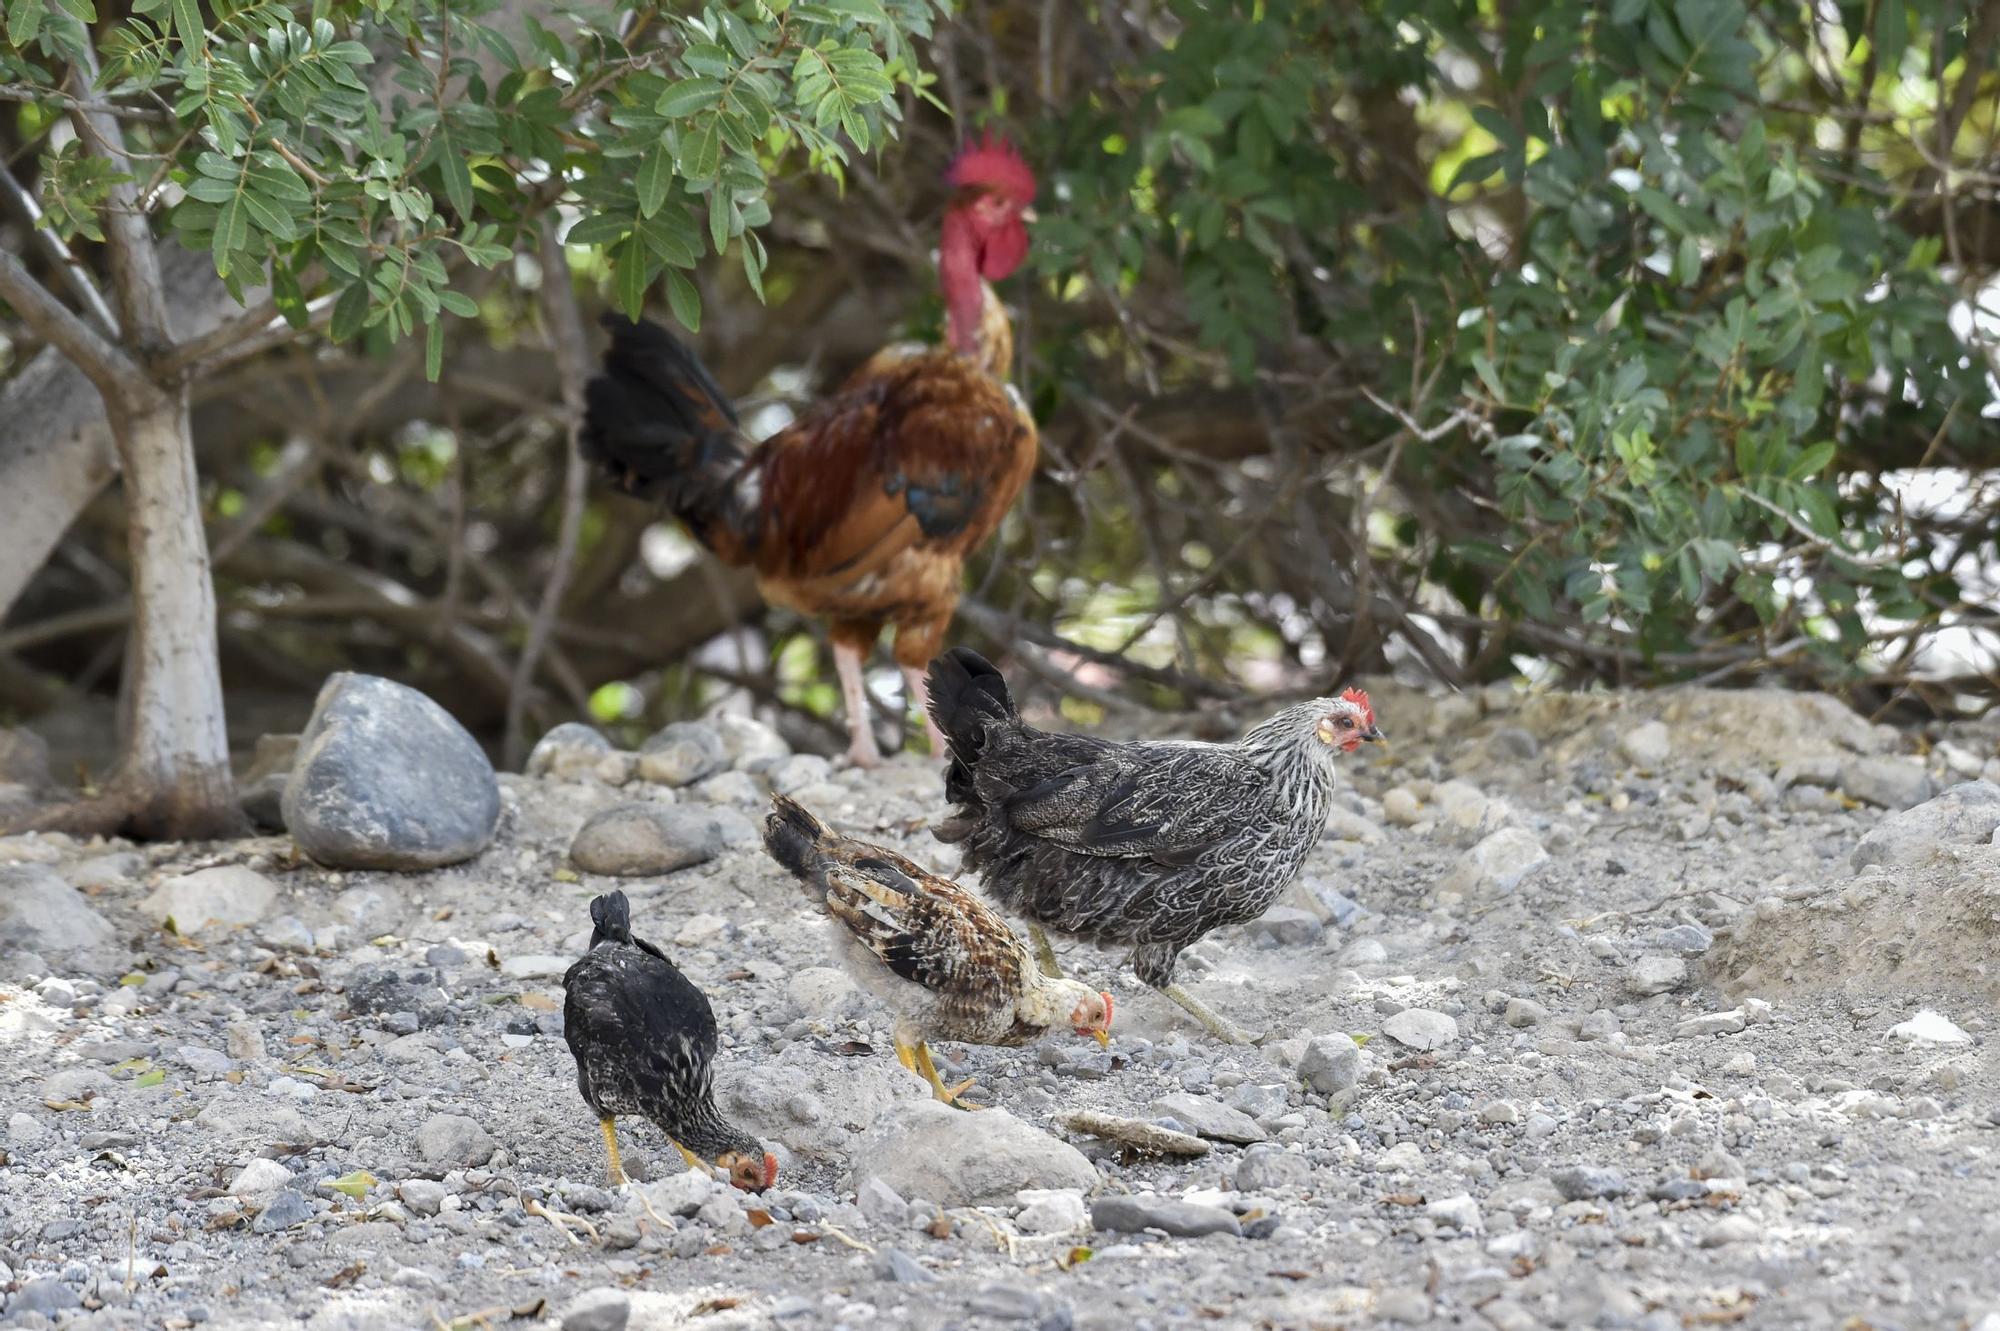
column 861, row 749
column 920, row 694
column 917, row 1058
column 609, row 1127
column 1217, row 1025
column 1045, row 952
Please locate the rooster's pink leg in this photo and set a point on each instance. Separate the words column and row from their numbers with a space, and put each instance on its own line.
column 861, row 750
column 920, row 694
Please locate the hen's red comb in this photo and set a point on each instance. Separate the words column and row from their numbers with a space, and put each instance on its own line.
column 1105, row 994
column 992, row 163
column 1360, row 699
column 770, row 1170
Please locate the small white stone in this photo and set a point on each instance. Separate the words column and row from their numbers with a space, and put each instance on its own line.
column 1929, row 1027
column 1421, row 1028
column 1648, row 745
column 259, row 1178
column 1460, row 1212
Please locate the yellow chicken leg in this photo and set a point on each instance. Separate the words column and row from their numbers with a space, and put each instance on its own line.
column 609, row 1126
column 1217, row 1025
column 1045, row 952
column 917, row 1058
column 693, row 1161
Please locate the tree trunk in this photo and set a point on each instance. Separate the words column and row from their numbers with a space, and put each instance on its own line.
column 174, row 777
column 56, row 453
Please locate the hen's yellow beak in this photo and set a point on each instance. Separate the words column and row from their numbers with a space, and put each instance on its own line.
column 1103, row 1038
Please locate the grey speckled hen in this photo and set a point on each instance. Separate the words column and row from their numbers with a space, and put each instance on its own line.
column 644, row 1041
column 1148, row 844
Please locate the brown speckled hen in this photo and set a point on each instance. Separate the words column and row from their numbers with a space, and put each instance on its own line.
column 948, row 966
column 1145, row 844
column 863, row 510
column 644, row 1041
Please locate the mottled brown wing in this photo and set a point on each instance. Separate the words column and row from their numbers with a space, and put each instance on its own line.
column 928, row 449
column 927, row 930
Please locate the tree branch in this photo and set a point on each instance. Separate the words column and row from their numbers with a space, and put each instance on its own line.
column 572, row 355
column 74, row 275
column 128, row 235
column 106, row 366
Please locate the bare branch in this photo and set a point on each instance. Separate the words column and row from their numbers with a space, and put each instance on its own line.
column 572, row 355
column 106, row 365
column 256, row 330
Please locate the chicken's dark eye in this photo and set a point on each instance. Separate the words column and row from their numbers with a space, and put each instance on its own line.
column 1347, row 723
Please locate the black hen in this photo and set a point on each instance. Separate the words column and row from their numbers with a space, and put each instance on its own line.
column 1146, row 844
column 644, row 1041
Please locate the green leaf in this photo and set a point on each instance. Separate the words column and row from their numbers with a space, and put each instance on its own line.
column 686, row 301
column 458, row 303
column 153, row 1078
column 599, row 229
column 80, row 10
column 1488, row 376
column 350, row 312
column 654, row 178
column 701, row 154
column 24, row 21
column 1811, row 462
column 632, row 277
column 188, row 25
column 687, row 97
column 232, row 233
column 434, row 350
column 867, row 11
column 457, row 172
column 355, row 1183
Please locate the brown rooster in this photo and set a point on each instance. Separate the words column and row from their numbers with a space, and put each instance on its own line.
column 1149, row 844
column 864, row 509
column 939, row 956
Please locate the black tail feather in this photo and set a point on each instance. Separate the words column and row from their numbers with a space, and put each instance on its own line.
column 610, row 918
column 661, row 427
column 793, row 837
column 968, row 694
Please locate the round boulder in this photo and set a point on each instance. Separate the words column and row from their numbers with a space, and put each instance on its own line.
column 386, row 779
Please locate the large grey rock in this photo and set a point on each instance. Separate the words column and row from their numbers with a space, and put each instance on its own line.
column 24, row 758
column 1421, row 1028
column 1188, row 1220
column 811, row 1104
column 454, row 1139
column 682, row 753
column 1889, row 783
column 1499, row 863
column 926, row 1149
column 1330, row 1063
column 751, row 745
column 386, row 779
column 1208, row 1118
column 41, row 913
column 604, row 1309
column 644, row 838
column 1965, row 815
column 1647, row 745
column 577, row 752
column 226, row 895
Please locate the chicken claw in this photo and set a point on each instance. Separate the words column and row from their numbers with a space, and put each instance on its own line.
column 917, row 1058
column 1217, row 1025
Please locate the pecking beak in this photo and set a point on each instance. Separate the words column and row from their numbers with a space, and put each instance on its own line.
column 1103, row 1038
column 1374, row 735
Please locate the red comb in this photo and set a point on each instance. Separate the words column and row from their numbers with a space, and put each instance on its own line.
column 770, row 1170
column 1105, row 994
column 1360, row 699
column 992, row 163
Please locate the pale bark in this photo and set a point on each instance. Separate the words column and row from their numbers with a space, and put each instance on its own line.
column 56, row 453
column 175, row 763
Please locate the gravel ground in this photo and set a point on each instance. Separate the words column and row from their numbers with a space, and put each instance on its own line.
column 1639, row 1046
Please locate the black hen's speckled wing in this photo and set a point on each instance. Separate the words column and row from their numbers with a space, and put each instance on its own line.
column 926, row 929
column 643, row 1035
column 1159, row 801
